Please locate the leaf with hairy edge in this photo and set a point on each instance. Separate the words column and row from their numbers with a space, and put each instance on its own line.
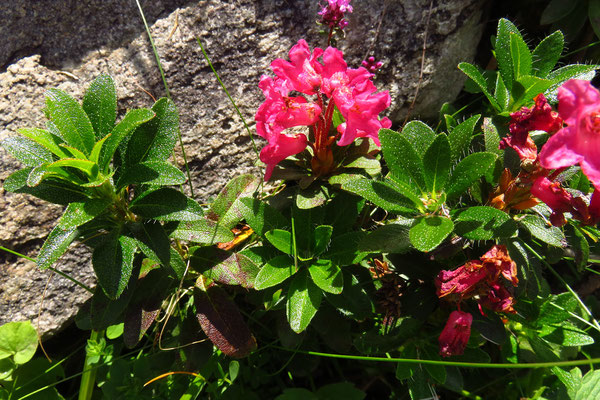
column 155, row 139
column 159, row 173
column 53, row 191
column 55, row 246
column 226, row 208
column 88, row 167
column 261, row 216
column 436, row 164
column 520, row 54
column 100, row 105
column 78, row 214
column 321, row 239
column 274, row 272
column 152, row 240
column 222, row 322
column 342, row 212
column 420, row 135
column 403, row 161
column 473, row 72
column 166, row 204
column 281, row 240
column 428, row 232
column 501, row 93
column 491, row 137
column 460, row 137
column 44, row 171
column 304, row 299
column 563, row 74
column 539, row 228
column 70, row 119
column 382, row 194
column 201, row 231
column 113, row 262
column 27, row 151
column 45, row 139
column 471, row 168
column 546, row 54
column 503, row 50
column 132, row 120
column 484, row 223
column 327, row 276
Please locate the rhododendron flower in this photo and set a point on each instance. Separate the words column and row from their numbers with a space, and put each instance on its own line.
column 456, row 333
column 371, row 65
column 497, row 261
column 538, row 118
column 462, row 281
column 579, row 141
column 333, row 13
column 498, row 299
column 302, row 71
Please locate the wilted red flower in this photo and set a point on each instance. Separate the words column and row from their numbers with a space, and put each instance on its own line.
column 456, row 333
column 462, row 281
column 498, row 299
column 497, row 261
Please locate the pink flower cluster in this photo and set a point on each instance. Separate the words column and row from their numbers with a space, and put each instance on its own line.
column 332, row 14
column 350, row 90
column 479, row 278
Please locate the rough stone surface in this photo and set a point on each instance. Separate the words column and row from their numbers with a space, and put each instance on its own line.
column 70, row 42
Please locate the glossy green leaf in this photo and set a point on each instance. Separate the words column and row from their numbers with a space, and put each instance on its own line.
column 526, row 88
column 95, row 154
column 563, row 74
column 100, row 105
column 201, row 231
column 491, row 137
column 420, row 136
column 428, row 232
column 274, row 272
column 321, row 239
column 556, row 309
column 436, row 164
column 177, row 265
column 304, row 299
column 158, row 173
column 50, row 190
column 18, row 340
column 44, row 171
column 304, row 223
column 460, row 137
column 484, row 223
column 546, row 54
column 539, row 228
column 151, row 238
column 521, row 56
column 501, row 93
column 72, row 122
column 579, row 244
column 88, row 167
column 225, row 209
column 74, row 152
column 343, row 249
column 261, row 216
column 166, row 204
column 313, row 196
column 55, row 246
column 155, row 139
column 503, row 51
column 590, row 386
column 281, row 240
column 473, row 72
column 78, row 213
column 113, row 263
column 470, row 169
column 382, row 194
column 132, row 120
column 327, row 276
column 342, row 212
column 45, row 139
column 403, row 161
column 571, row 381
column 391, row 238
column 566, row 334
column 27, row 151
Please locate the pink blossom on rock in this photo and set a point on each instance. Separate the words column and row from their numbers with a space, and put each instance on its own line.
column 332, row 14
column 579, row 141
column 456, row 333
column 303, row 70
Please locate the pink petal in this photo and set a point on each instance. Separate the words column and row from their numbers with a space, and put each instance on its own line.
column 559, row 150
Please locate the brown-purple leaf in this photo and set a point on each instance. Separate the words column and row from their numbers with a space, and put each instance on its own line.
column 222, row 322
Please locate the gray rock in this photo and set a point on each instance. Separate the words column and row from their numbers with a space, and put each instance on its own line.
column 66, row 44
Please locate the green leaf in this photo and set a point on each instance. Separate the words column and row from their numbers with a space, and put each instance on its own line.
column 327, row 276
column 420, row 136
column 154, row 140
column 166, row 204
column 436, row 163
column 45, row 139
column 274, row 272
column 526, row 88
column 342, row 212
column 501, row 93
column 304, row 299
column 132, row 120
column 78, row 213
column 573, row 71
column 95, row 154
column 313, row 196
column 470, row 169
column 520, row 54
column 201, row 231
column 113, row 262
column 261, row 216
column 542, row 230
column 321, row 238
column 158, row 173
column 75, row 153
column 503, row 51
column 281, row 240
column 484, row 223
column 339, row 391
column 27, row 151
column 104, row 311
column 236, row 269
column 557, row 10
column 382, row 194
column 114, row 331
column 546, row 54
column 53, row 191
column 55, row 245
column 152, row 240
column 491, row 137
column 460, row 137
column 556, row 309
column 88, row 167
column 100, row 105
column 571, row 382
column 343, row 249
column 473, row 72
column 354, row 301
column 391, row 238
column 226, row 208
column 18, row 340
column 44, row 171
column 403, row 161
column 437, row 372
column 72, row 122
column 579, row 244
column 565, row 334
column 428, row 232
column 590, row 386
